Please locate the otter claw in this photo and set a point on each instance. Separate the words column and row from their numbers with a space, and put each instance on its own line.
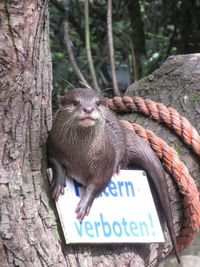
column 82, row 211
column 57, row 191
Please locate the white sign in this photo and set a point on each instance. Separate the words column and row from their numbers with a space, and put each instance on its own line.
column 123, row 213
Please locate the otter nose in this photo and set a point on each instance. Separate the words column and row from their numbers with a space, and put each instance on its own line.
column 88, row 109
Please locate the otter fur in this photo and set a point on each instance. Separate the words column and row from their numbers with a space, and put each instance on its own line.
column 89, row 144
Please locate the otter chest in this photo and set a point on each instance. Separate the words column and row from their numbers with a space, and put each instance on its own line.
column 84, row 161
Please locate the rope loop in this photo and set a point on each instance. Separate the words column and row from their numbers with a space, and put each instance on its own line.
column 185, row 182
column 157, row 111
column 182, row 127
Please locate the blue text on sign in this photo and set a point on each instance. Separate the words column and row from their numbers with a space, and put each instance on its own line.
column 114, row 189
column 116, row 228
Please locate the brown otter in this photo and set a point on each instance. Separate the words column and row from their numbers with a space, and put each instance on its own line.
column 88, row 143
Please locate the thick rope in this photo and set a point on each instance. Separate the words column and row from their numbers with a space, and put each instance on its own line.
column 189, row 135
column 160, row 113
column 184, row 181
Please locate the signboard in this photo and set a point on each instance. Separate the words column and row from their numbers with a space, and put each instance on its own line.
column 123, row 213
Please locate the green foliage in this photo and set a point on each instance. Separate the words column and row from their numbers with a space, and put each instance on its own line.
column 168, row 27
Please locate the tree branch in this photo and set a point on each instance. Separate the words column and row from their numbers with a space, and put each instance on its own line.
column 71, row 18
column 71, row 54
column 88, row 47
column 111, row 48
column 134, row 63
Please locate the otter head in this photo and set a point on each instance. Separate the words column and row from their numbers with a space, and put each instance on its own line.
column 83, row 106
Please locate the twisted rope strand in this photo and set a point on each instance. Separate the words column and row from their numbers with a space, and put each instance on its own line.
column 185, row 183
column 160, row 113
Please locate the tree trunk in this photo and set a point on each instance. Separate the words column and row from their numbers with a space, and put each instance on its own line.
column 27, row 223
column 174, row 84
column 30, row 233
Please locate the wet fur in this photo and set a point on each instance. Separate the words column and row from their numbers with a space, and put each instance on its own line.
column 91, row 155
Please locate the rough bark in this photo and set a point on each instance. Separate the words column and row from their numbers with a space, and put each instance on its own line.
column 175, row 84
column 27, row 223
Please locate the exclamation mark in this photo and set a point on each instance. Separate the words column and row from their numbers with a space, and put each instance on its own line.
column 151, row 223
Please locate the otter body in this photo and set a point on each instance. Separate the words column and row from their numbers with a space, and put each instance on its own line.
column 88, row 144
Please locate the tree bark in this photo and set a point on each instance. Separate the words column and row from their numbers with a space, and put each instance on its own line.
column 174, row 84
column 27, row 224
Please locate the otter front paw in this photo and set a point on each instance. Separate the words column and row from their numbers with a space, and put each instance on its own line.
column 57, row 191
column 57, row 188
column 82, row 210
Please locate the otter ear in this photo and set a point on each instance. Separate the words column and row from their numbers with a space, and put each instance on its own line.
column 61, row 100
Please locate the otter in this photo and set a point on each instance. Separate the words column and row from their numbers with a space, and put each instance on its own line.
column 89, row 144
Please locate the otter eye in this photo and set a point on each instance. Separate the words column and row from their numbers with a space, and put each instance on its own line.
column 76, row 102
column 98, row 103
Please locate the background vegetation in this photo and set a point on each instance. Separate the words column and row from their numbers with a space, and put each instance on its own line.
column 145, row 33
